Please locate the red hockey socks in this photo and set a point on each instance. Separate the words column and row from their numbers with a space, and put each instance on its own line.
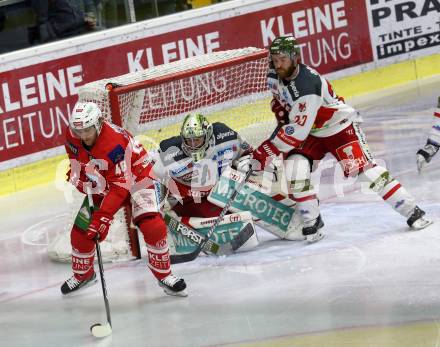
column 155, row 235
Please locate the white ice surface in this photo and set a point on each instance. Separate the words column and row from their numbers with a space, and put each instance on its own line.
column 368, row 270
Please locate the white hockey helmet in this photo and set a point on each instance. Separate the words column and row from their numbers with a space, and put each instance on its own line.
column 86, row 115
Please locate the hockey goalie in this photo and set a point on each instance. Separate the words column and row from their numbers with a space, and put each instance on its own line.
column 199, row 169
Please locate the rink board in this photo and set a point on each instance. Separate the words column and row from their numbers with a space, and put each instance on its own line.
column 47, row 170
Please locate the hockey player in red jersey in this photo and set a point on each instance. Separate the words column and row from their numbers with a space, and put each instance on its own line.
column 109, row 162
column 425, row 154
column 313, row 121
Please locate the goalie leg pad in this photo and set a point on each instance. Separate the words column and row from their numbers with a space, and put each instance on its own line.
column 229, row 230
column 272, row 211
column 236, row 229
column 294, row 231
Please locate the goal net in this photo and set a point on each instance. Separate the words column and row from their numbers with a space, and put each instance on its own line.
column 228, row 87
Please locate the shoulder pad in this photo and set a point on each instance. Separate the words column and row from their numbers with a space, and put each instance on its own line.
column 223, row 133
column 308, row 82
column 170, row 150
column 175, row 141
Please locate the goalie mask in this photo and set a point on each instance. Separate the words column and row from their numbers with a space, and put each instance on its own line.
column 196, row 132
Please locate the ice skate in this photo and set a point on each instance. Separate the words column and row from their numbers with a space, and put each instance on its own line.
column 314, row 233
column 173, row 285
column 425, row 154
column 73, row 284
column 417, row 221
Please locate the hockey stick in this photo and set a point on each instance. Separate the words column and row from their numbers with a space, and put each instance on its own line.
column 99, row 330
column 183, row 258
column 210, row 246
column 193, row 235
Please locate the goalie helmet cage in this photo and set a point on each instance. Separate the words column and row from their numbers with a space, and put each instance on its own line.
column 227, row 86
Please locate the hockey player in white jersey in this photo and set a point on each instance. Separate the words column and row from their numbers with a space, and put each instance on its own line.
column 425, row 154
column 190, row 165
column 313, row 121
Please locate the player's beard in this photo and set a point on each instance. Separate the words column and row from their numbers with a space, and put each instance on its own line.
column 285, row 73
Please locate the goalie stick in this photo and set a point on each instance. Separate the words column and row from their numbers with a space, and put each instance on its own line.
column 98, row 329
column 183, row 258
column 210, row 246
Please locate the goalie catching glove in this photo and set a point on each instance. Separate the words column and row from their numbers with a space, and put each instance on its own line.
column 99, row 226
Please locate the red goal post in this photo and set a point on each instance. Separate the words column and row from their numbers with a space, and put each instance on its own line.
column 227, row 86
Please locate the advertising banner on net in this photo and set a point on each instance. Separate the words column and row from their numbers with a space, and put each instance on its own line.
column 403, row 28
column 38, row 91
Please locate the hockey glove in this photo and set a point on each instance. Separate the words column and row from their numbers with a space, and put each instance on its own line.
column 99, row 226
column 281, row 114
column 425, row 154
column 244, row 163
column 264, row 155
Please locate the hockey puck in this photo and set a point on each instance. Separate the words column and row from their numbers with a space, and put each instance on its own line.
column 99, row 330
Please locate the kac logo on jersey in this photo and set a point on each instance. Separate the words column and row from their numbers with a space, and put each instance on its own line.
column 289, row 130
column 302, row 106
